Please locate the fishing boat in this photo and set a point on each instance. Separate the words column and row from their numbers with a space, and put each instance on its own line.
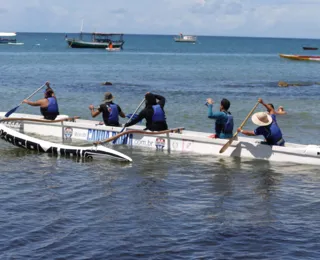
column 93, row 151
column 96, row 40
column 310, row 48
column 177, row 140
column 6, row 38
column 300, row 57
column 185, row 38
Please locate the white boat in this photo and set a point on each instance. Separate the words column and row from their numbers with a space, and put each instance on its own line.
column 93, row 151
column 185, row 141
column 185, row 38
column 113, row 49
column 6, row 37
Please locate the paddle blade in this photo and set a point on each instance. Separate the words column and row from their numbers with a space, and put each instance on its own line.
column 11, row 111
column 225, row 147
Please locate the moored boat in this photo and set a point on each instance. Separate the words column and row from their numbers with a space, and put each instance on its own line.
column 24, row 141
column 300, row 57
column 185, row 38
column 310, row 48
column 97, row 40
column 185, row 141
column 6, row 38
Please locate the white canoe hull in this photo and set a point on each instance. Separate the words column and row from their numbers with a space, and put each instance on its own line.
column 95, row 151
column 187, row 141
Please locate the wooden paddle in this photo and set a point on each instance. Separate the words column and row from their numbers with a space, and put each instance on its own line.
column 131, row 117
column 225, row 147
column 15, row 108
column 174, row 130
column 72, row 119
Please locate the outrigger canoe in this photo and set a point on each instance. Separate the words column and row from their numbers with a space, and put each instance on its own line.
column 179, row 141
column 89, row 152
column 300, row 57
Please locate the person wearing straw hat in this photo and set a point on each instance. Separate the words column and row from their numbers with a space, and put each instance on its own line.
column 153, row 113
column 48, row 105
column 224, row 119
column 110, row 111
column 267, row 126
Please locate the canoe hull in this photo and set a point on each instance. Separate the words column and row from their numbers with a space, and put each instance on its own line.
column 185, row 142
column 96, row 151
column 300, row 57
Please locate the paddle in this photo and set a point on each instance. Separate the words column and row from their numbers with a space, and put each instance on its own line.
column 225, row 147
column 15, row 108
column 174, row 130
column 130, row 118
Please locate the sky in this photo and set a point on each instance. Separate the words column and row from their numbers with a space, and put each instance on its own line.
column 257, row 18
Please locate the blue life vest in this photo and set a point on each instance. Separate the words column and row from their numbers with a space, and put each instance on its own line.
column 158, row 114
column 113, row 113
column 53, row 105
column 225, row 128
column 274, row 136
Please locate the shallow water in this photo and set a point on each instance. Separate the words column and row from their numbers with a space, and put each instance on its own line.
column 163, row 205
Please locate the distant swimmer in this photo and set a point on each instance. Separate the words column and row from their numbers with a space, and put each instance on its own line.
column 107, row 83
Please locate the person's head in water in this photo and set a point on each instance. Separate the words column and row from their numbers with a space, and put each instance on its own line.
column 150, row 99
column 225, row 104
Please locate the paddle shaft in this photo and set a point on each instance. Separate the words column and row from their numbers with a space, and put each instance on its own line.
column 225, row 147
column 33, row 93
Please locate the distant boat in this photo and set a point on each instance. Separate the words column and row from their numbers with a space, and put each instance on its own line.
column 6, row 38
column 185, row 38
column 300, row 57
column 98, row 40
column 310, row 48
column 113, row 49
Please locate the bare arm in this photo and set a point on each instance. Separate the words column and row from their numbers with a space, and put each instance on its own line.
column 94, row 113
column 246, row 132
column 267, row 106
column 38, row 103
column 122, row 114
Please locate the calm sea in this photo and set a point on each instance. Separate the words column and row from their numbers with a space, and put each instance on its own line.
column 162, row 206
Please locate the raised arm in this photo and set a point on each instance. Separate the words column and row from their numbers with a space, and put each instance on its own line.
column 161, row 99
column 269, row 108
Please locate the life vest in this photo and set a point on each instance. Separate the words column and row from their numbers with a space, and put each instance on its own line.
column 52, row 110
column 274, row 136
column 225, row 128
column 113, row 113
column 158, row 114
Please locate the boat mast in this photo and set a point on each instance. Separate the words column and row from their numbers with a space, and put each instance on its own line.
column 81, row 30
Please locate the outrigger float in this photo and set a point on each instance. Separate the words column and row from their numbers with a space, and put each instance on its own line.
column 88, row 152
column 179, row 140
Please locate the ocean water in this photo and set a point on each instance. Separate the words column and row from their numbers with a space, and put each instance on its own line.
column 162, row 206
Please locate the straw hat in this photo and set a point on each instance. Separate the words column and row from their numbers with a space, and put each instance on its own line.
column 261, row 119
column 108, row 97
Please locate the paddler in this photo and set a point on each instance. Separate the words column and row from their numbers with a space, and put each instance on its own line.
column 268, row 126
column 224, row 119
column 48, row 105
column 153, row 113
column 110, row 111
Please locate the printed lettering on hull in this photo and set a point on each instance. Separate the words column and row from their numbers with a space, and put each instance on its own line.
column 99, row 135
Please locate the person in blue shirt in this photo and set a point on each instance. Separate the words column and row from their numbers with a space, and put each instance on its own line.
column 267, row 125
column 224, row 119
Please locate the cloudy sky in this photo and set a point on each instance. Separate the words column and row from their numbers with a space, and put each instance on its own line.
column 262, row 18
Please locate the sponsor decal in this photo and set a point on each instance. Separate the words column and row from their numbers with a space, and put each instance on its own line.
column 160, row 142
column 100, row 135
column 13, row 124
column 68, row 131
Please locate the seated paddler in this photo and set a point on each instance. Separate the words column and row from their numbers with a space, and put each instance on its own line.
column 224, row 119
column 48, row 105
column 267, row 126
column 110, row 111
column 153, row 113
